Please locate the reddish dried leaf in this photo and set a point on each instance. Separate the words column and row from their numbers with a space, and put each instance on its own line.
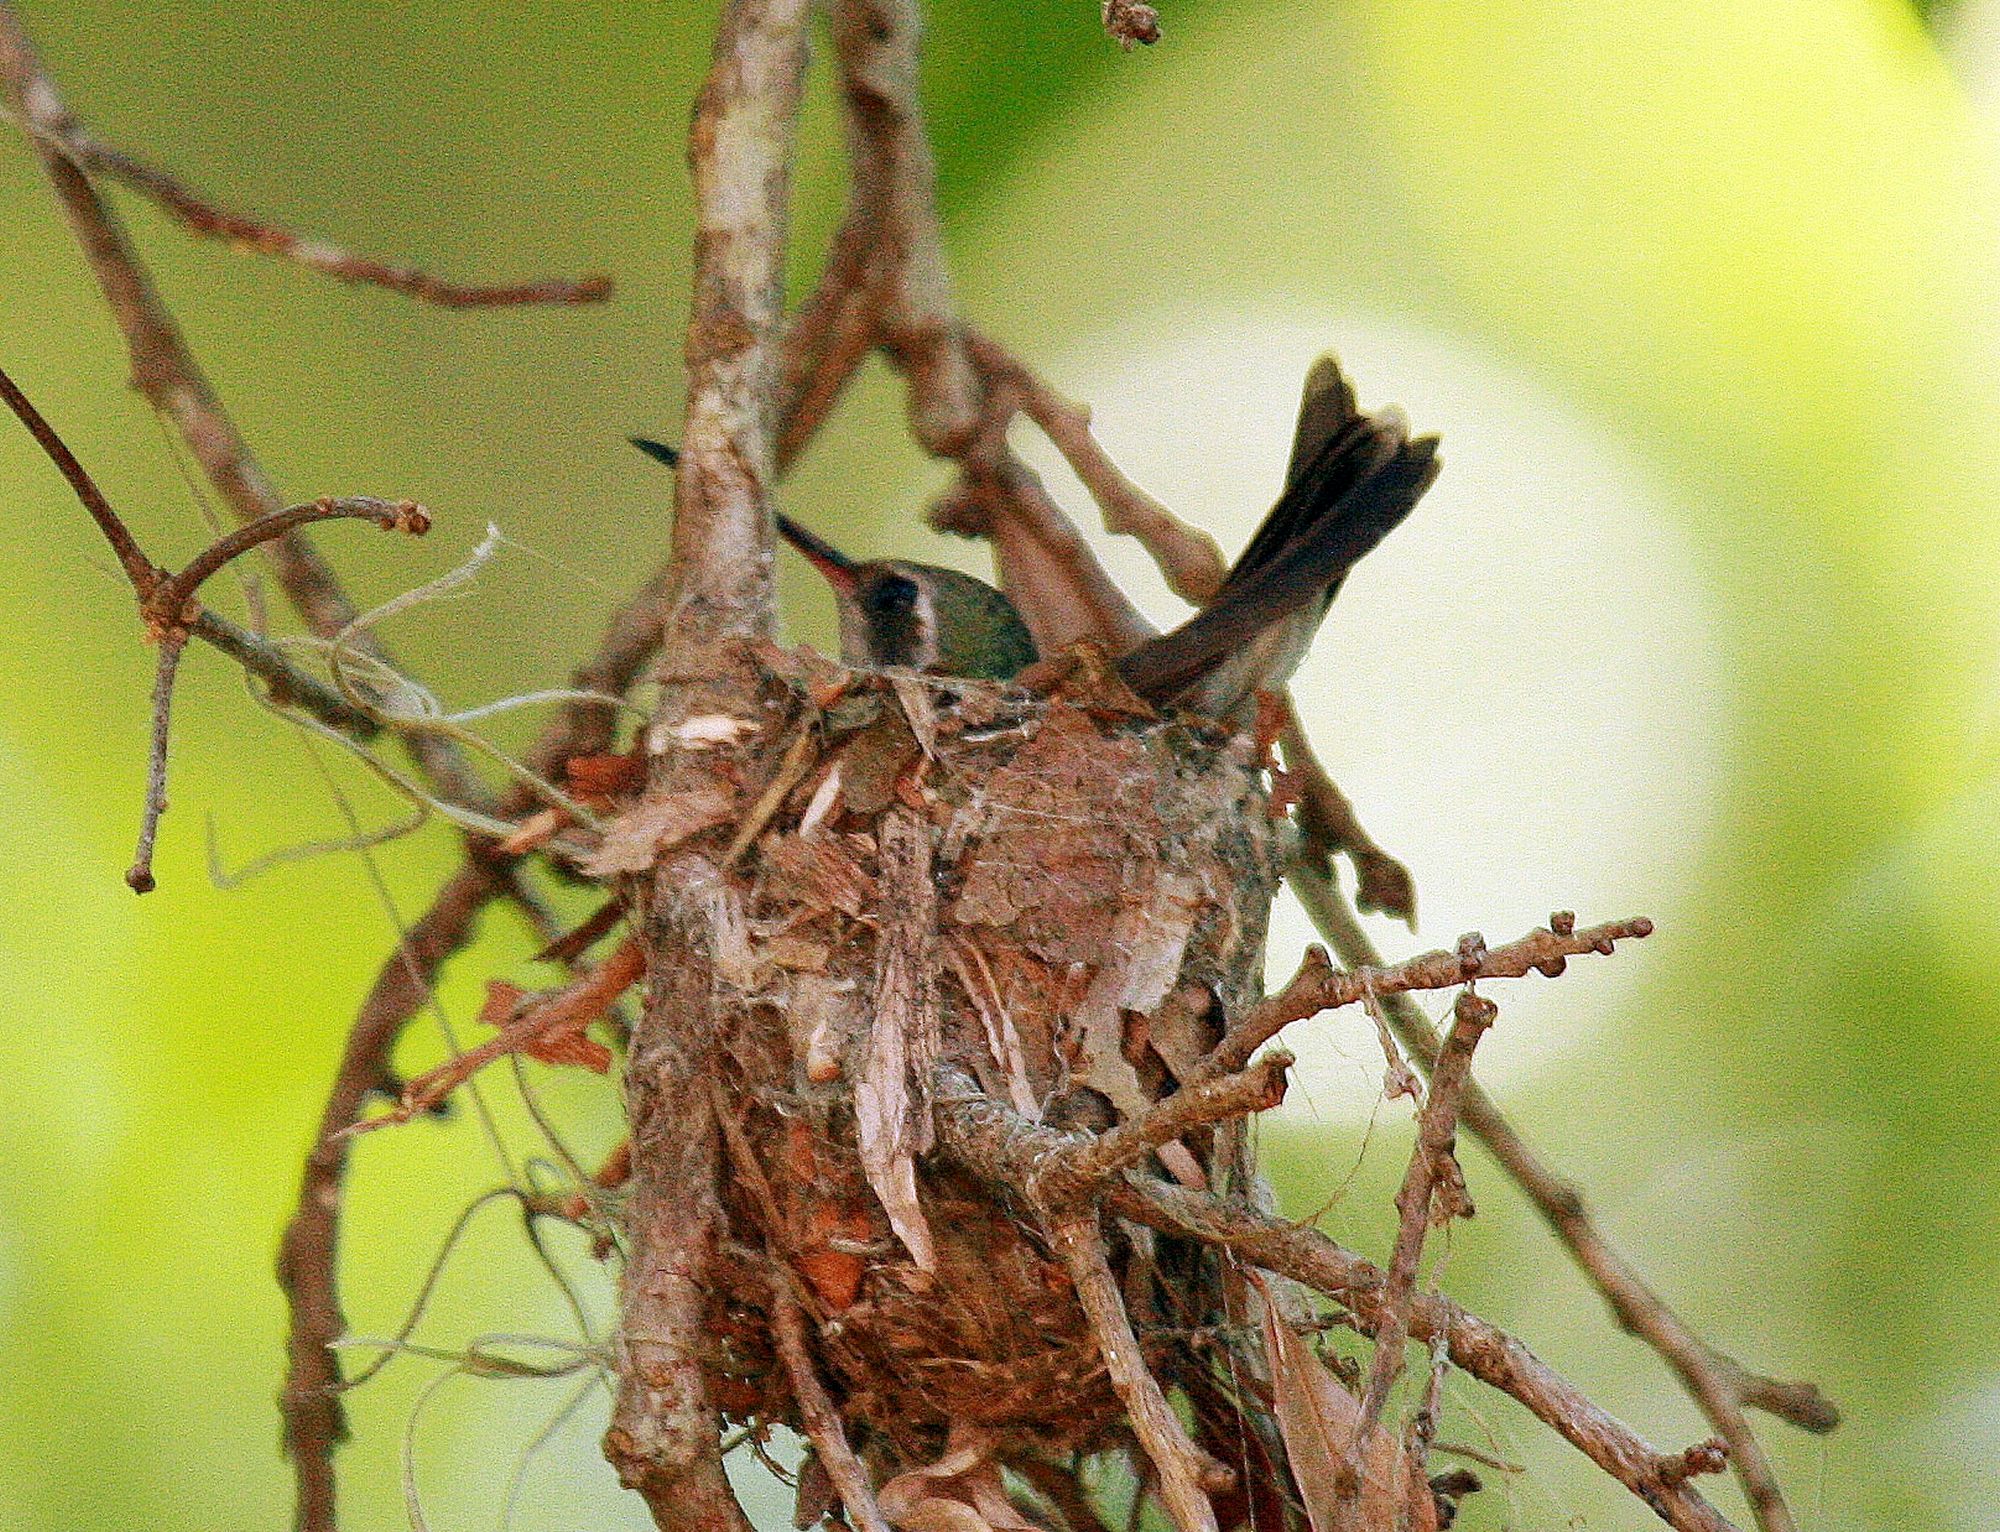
column 564, row 1043
column 502, row 1000
column 577, row 1048
column 606, row 776
column 835, row 1275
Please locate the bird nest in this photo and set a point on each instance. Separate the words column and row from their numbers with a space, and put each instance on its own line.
column 1062, row 895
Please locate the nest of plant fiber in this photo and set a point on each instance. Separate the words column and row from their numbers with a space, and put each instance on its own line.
column 1063, row 895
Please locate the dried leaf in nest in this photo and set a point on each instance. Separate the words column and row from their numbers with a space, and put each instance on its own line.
column 891, row 1105
column 961, row 1492
column 597, row 779
column 634, row 840
column 819, row 870
column 1317, row 1418
column 873, row 761
column 830, row 1224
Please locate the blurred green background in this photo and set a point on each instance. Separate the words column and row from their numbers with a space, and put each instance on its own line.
column 1705, row 299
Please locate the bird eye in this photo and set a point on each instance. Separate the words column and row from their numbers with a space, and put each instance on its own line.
column 890, row 596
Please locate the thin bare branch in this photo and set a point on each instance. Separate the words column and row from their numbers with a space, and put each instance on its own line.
column 390, row 515
column 1319, row 986
column 1720, row 1386
column 1179, row 1465
column 172, row 614
column 139, row 877
column 203, row 216
column 308, row 1259
column 1061, row 590
column 1199, row 1105
column 993, row 1142
column 165, row 371
column 1189, row 558
column 816, row 1412
column 1430, row 1163
column 140, row 570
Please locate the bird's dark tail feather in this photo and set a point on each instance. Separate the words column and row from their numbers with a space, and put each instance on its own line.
column 1366, row 477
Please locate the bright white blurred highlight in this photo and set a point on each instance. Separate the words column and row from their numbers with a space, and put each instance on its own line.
column 1520, row 690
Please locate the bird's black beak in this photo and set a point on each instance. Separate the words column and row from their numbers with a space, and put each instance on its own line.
column 839, row 569
column 659, row 452
column 828, row 560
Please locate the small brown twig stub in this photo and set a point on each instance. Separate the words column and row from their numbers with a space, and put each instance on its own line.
column 1131, row 21
column 139, row 877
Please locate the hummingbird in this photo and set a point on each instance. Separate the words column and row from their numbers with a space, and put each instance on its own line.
column 1351, row 479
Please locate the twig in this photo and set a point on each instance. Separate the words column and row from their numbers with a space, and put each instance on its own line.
column 1199, row 1105
column 1319, row 986
column 665, row 1430
column 1187, row 556
column 391, row 515
column 995, row 1143
column 1720, row 1385
column 140, row 570
column 564, row 1010
column 1062, row 591
column 835, row 328
column 308, row 1269
column 204, row 217
column 878, row 45
column 166, row 373
column 167, row 603
column 816, row 1412
column 252, row 652
column 289, row 685
column 1436, row 1125
column 139, row 876
column 1176, row 1460
column 1328, row 823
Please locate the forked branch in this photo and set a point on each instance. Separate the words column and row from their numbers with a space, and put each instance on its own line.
column 1720, row 1385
